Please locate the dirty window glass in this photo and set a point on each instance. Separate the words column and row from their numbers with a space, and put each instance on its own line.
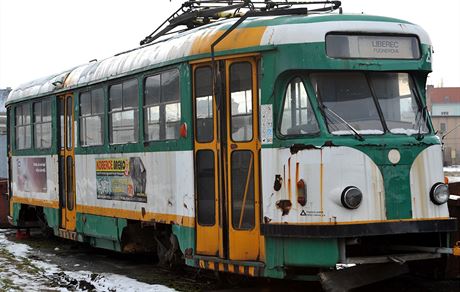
column 402, row 112
column 243, row 204
column 42, row 124
column 298, row 117
column 347, row 101
column 162, row 113
column 23, row 127
column 241, row 101
column 123, row 115
column 92, row 117
column 204, row 105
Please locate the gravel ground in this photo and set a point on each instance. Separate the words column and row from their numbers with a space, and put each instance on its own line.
column 53, row 264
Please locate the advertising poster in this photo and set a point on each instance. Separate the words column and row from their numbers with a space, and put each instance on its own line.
column 31, row 174
column 122, row 179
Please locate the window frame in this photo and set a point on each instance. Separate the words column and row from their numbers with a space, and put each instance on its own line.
column 251, row 99
column 162, row 107
column 309, row 99
column 91, row 114
column 41, row 123
column 386, row 131
column 23, row 125
column 110, row 112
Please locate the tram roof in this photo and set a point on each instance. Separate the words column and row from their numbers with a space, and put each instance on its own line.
column 253, row 33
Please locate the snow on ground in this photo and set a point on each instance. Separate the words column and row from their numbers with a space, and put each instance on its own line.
column 20, row 271
column 453, row 168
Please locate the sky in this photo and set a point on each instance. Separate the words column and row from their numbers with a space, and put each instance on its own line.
column 40, row 38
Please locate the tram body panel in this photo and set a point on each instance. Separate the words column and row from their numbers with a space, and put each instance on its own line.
column 326, row 173
column 35, row 178
column 425, row 172
column 165, row 183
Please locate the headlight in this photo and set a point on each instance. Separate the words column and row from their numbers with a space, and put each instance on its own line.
column 439, row 193
column 351, row 197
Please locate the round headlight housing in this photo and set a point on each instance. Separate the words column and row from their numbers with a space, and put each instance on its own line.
column 439, row 193
column 351, row 197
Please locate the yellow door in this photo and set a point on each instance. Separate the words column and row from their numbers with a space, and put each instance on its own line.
column 207, row 154
column 227, row 160
column 242, row 155
column 67, row 162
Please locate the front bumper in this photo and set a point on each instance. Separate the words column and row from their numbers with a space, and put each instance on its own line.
column 359, row 230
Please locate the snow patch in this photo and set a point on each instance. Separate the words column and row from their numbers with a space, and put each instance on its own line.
column 25, row 273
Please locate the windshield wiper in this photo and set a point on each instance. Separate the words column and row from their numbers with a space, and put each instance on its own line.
column 356, row 134
column 421, row 120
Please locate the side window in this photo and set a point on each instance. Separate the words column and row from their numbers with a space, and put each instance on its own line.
column 123, row 114
column 241, row 101
column 92, row 117
column 297, row 117
column 23, row 127
column 204, row 105
column 42, row 124
column 162, row 106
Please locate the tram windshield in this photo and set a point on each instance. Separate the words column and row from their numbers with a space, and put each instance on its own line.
column 367, row 104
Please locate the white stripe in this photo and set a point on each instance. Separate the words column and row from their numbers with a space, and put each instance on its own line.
column 316, row 32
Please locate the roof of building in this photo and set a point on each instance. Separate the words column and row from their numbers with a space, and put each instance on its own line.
column 444, row 95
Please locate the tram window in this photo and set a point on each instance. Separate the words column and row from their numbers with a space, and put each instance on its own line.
column 92, row 117
column 162, row 106
column 69, row 114
column 241, row 101
column 123, row 115
column 42, row 124
column 23, row 127
column 348, row 101
column 205, row 187
column 400, row 108
column 298, row 117
column 243, row 205
column 204, row 105
column 70, row 183
column 61, row 107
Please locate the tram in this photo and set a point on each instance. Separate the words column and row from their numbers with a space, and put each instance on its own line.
column 265, row 139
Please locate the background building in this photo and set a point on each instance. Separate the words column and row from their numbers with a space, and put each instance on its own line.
column 3, row 161
column 444, row 106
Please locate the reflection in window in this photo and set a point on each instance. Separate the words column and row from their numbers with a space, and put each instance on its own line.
column 204, row 105
column 348, row 96
column 395, row 93
column 69, row 115
column 298, row 117
column 92, row 117
column 241, row 101
column 161, row 106
column 243, row 204
column 23, row 127
column 42, row 124
column 123, row 113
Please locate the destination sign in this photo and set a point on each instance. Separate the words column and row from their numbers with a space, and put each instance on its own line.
column 372, row 47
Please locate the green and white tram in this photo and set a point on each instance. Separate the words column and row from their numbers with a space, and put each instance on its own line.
column 278, row 144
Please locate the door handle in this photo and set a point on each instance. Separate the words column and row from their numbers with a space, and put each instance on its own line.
column 233, row 146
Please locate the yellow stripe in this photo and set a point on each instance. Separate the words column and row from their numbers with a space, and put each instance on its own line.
column 35, row 202
column 137, row 215
column 237, row 39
